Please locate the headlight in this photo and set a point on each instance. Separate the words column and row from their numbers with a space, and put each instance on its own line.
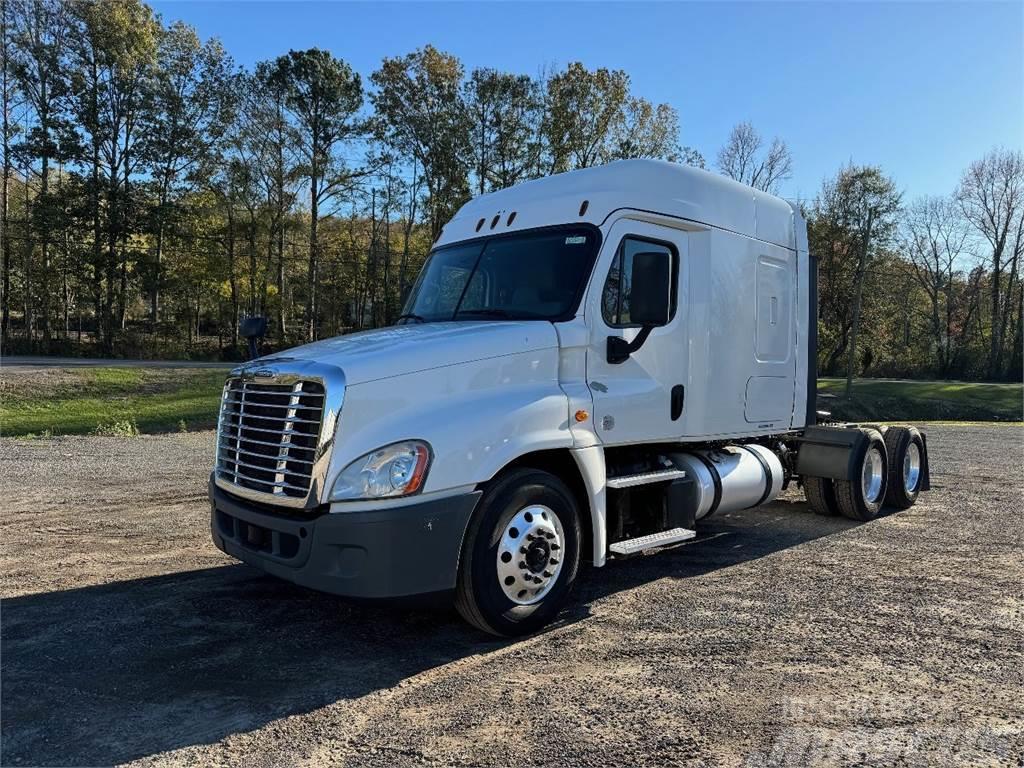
column 398, row 469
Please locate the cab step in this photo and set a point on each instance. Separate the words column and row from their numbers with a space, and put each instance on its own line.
column 652, row 541
column 645, row 478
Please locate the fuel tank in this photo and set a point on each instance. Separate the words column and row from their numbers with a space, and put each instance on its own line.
column 730, row 477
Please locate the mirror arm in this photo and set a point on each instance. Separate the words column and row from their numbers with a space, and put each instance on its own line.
column 619, row 349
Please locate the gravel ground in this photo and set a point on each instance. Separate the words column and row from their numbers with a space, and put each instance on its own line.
column 776, row 638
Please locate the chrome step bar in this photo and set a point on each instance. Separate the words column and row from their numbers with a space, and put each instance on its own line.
column 645, row 478
column 652, row 541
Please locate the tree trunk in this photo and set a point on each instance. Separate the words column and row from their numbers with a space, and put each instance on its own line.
column 154, row 295
column 312, row 308
column 5, row 234
column 851, row 359
column 254, row 304
column 1007, row 311
column 995, row 343
column 233, row 282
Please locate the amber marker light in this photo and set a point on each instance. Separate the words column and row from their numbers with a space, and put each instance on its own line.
column 582, row 415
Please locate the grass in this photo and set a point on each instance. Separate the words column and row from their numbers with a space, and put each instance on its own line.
column 891, row 399
column 109, row 401
column 130, row 401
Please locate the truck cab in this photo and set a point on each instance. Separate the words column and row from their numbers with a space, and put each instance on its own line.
column 587, row 365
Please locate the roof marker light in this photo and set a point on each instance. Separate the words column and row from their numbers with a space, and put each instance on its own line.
column 479, row 224
column 494, row 221
column 583, row 208
column 511, row 218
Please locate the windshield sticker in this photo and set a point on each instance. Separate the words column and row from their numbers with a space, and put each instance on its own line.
column 576, row 240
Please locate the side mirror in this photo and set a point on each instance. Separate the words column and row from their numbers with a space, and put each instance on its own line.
column 253, row 329
column 650, row 291
column 650, row 288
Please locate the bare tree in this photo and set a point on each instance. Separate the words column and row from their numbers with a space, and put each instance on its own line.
column 935, row 238
column 991, row 194
column 742, row 159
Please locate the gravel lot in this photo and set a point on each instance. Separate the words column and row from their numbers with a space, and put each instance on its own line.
column 778, row 637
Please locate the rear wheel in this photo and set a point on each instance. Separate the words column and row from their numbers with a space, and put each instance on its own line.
column 862, row 499
column 521, row 554
column 821, row 495
column 906, row 460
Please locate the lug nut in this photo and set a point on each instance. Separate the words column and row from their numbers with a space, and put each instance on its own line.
column 555, row 547
column 522, row 564
column 547, row 574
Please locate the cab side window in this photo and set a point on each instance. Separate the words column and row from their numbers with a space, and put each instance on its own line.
column 615, row 298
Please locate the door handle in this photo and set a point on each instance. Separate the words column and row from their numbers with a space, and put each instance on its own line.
column 678, row 397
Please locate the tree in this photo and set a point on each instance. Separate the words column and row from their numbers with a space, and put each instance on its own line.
column 991, row 194
column 274, row 137
column 505, row 111
column 186, row 119
column 934, row 238
column 8, row 131
column 40, row 27
column 117, row 46
column 324, row 96
column 582, row 111
column 644, row 130
column 422, row 116
column 742, row 159
column 864, row 203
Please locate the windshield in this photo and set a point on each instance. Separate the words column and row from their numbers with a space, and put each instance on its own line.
column 536, row 276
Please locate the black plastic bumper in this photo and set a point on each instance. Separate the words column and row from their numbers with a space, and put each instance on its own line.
column 394, row 552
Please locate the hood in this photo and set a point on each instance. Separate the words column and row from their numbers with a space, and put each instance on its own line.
column 402, row 349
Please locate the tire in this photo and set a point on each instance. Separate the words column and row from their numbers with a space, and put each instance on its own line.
column 486, row 598
column 860, row 499
column 821, row 495
column 906, row 462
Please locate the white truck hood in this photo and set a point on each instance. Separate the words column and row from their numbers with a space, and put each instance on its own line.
column 402, row 349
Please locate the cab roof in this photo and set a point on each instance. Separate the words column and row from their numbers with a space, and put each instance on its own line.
column 654, row 186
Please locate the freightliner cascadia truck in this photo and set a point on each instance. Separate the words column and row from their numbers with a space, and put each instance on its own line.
column 587, row 367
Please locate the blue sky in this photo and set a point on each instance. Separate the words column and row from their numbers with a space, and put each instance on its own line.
column 918, row 88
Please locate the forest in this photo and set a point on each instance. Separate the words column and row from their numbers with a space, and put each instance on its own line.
column 155, row 194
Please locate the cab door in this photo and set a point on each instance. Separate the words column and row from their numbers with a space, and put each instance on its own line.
column 642, row 398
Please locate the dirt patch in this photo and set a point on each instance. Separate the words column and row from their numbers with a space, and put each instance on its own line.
column 776, row 638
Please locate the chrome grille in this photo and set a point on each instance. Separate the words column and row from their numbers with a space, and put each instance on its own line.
column 269, row 434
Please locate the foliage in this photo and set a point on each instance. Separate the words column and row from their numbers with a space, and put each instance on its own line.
column 154, row 194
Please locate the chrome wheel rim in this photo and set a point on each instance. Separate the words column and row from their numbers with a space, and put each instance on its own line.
column 530, row 554
column 871, row 475
column 911, row 467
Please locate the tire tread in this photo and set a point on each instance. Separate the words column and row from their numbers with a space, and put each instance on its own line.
column 820, row 496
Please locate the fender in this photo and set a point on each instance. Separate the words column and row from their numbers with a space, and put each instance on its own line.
column 591, row 464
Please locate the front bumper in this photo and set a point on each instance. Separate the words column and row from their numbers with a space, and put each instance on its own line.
column 382, row 553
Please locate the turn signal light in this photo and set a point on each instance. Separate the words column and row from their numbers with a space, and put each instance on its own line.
column 582, row 415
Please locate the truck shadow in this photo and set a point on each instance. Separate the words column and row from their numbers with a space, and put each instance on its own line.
column 111, row 673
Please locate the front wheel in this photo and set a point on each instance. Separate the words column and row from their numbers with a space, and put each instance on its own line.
column 520, row 555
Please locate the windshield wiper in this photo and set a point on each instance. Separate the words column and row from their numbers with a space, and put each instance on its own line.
column 410, row 316
column 502, row 313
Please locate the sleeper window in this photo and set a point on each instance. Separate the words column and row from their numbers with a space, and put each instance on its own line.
column 615, row 298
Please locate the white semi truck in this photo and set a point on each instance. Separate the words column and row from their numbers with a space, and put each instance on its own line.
column 587, row 366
